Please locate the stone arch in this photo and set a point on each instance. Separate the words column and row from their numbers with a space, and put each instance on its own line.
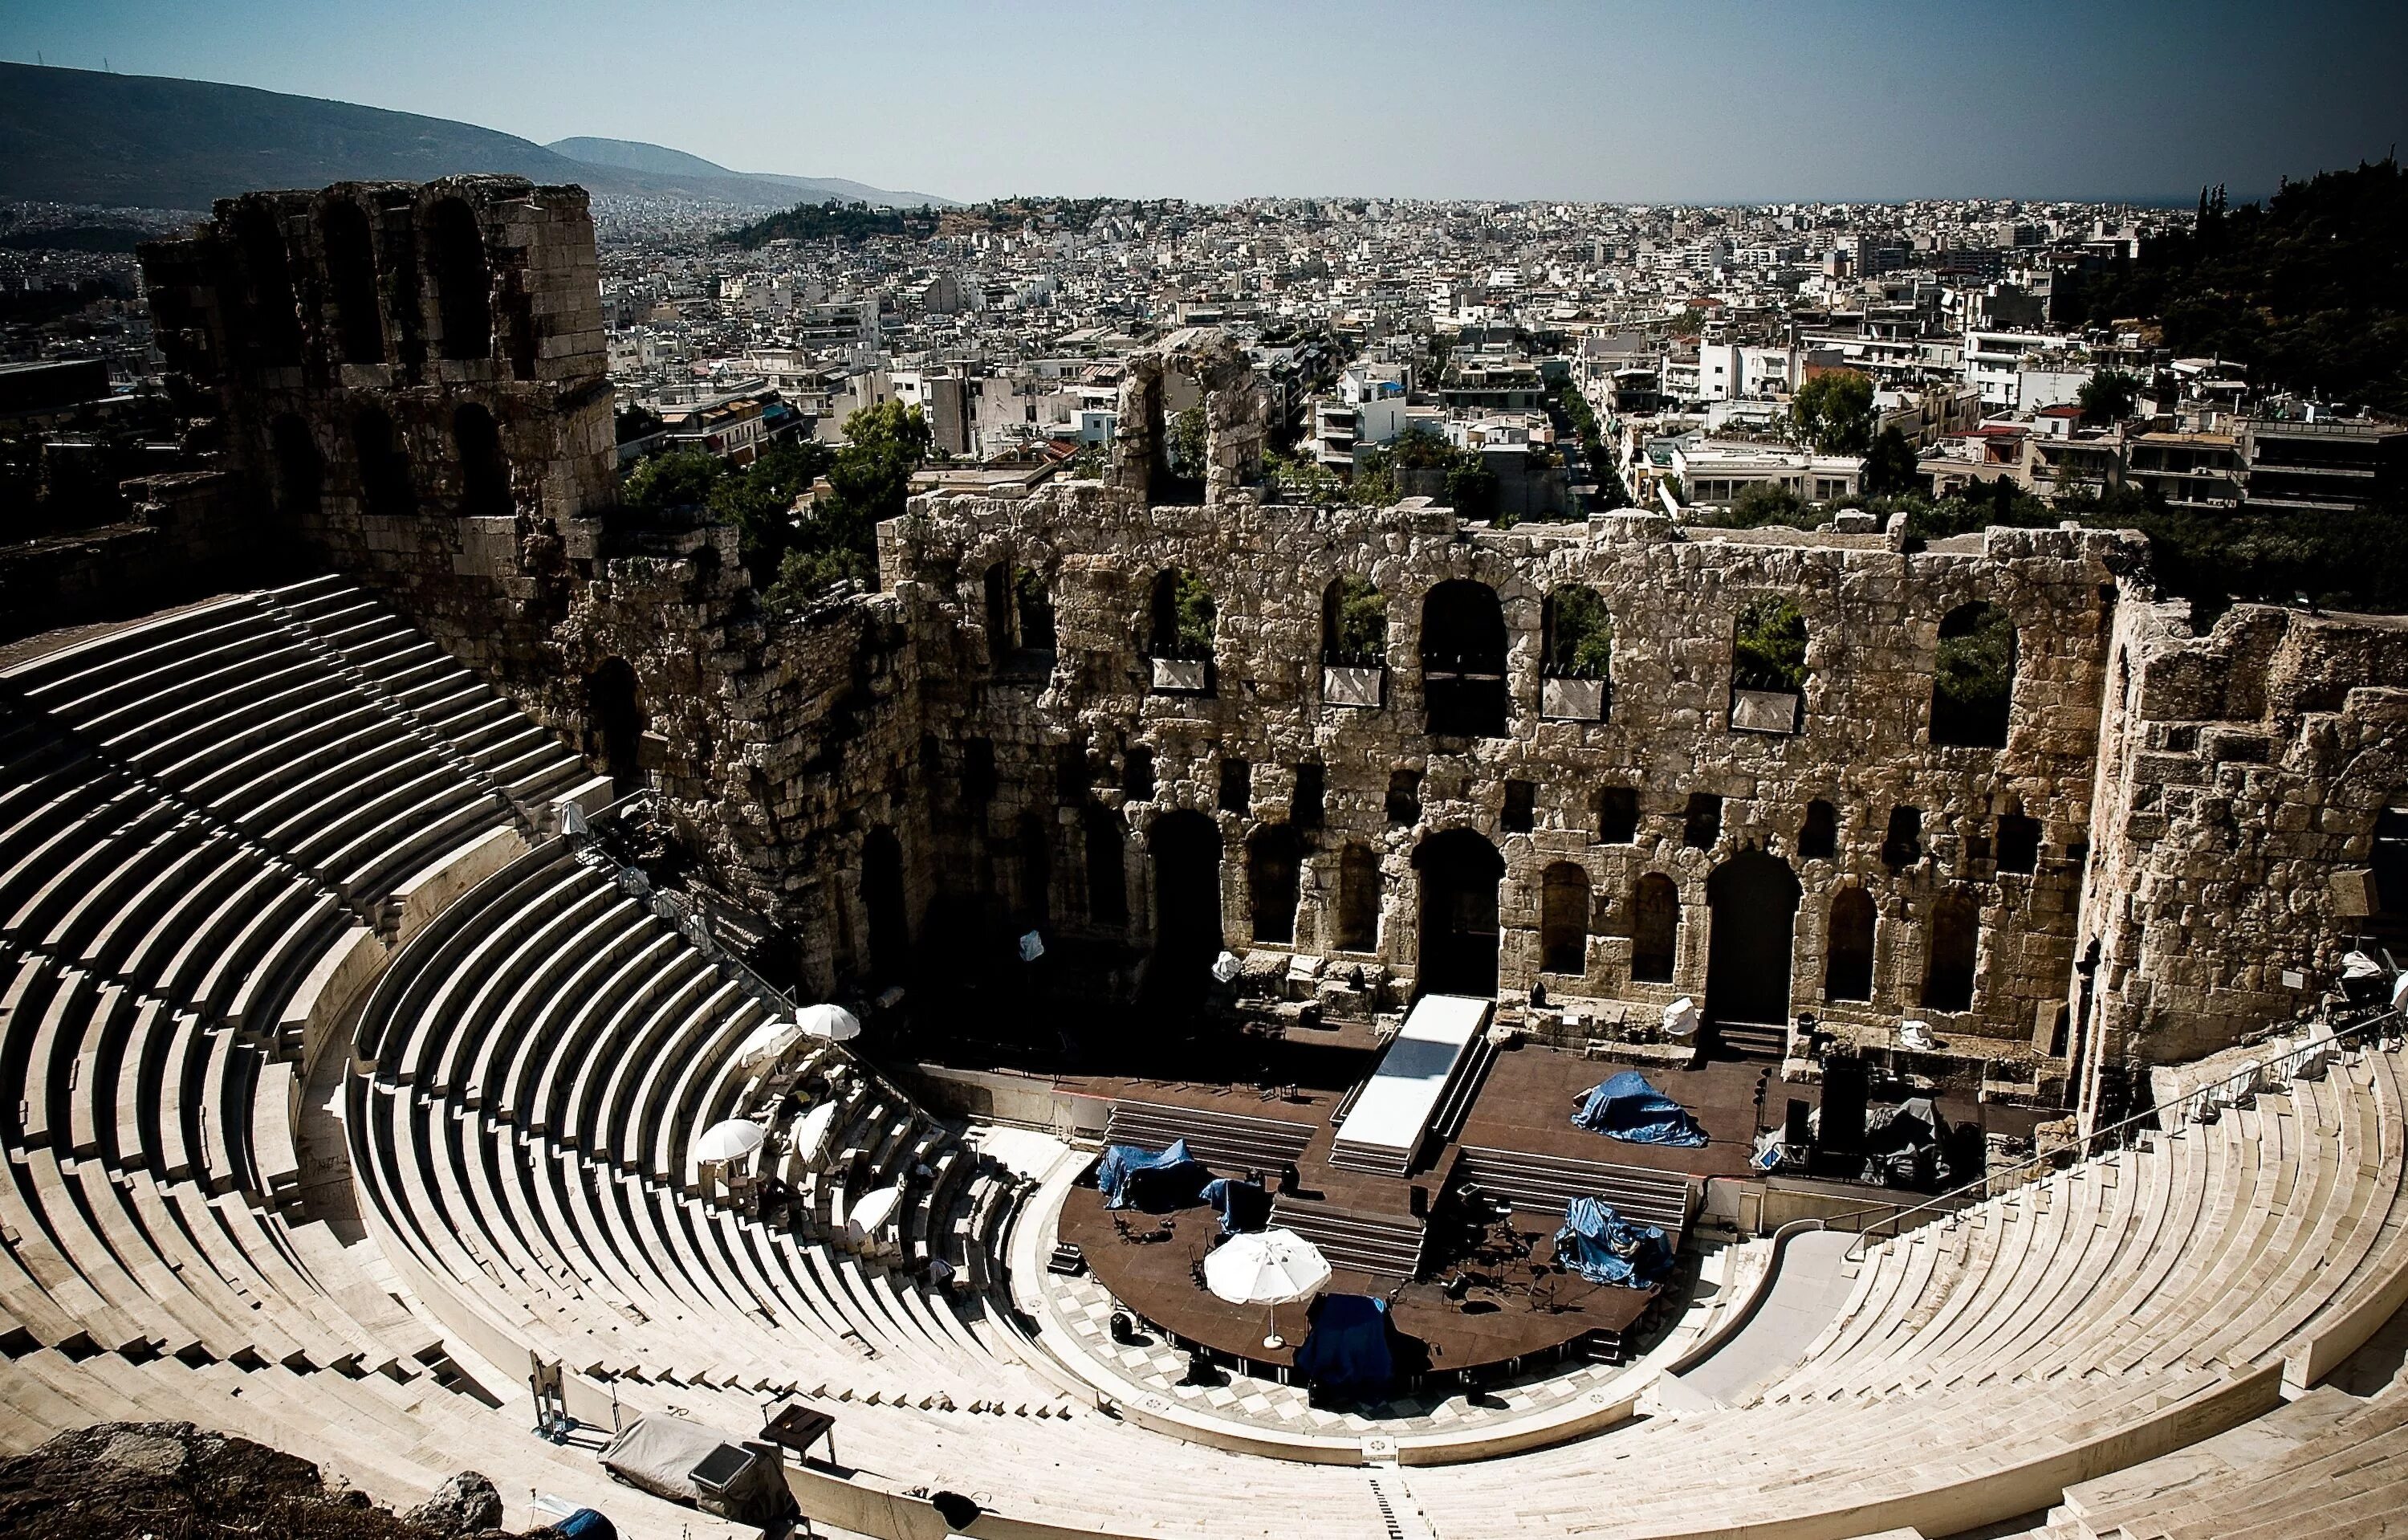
column 350, row 246
column 1459, row 874
column 300, row 469
column 1563, row 918
column 1359, row 895
column 1104, row 836
column 1463, row 645
column 882, row 902
column 387, row 488
column 1752, row 901
column 1954, row 953
column 1974, row 677
column 484, row 471
column 1274, row 856
column 1230, row 400
column 1183, row 851
column 614, row 724
column 271, row 316
column 1848, row 946
column 1655, row 929
column 464, row 281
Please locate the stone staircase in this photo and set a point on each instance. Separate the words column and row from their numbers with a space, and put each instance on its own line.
column 1387, row 1245
column 1550, row 1182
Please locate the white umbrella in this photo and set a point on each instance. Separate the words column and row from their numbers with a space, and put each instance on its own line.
column 730, row 1141
column 766, row 1043
column 833, row 1023
column 811, row 1135
column 869, row 1216
column 1266, row 1267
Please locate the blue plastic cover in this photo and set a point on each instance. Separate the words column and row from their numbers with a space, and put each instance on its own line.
column 1242, row 1205
column 1150, row 1179
column 1606, row 1248
column 1627, row 1108
column 585, row 1524
column 1347, row 1349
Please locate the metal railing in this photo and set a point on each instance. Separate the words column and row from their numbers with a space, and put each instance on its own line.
column 2225, row 1091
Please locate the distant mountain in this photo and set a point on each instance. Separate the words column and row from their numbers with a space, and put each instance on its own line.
column 659, row 160
column 73, row 136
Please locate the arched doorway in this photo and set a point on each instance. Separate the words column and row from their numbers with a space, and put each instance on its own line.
column 463, row 281
column 1463, row 660
column 1184, row 848
column 1274, row 855
column 1753, row 900
column 614, row 721
column 881, row 900
column 1459, row 873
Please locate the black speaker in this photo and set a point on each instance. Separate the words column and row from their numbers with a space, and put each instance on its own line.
column 1843, row 1105
column 958, row 1512
column 1796, row 1130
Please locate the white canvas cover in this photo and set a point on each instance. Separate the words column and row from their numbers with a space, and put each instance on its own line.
column 661, row 1455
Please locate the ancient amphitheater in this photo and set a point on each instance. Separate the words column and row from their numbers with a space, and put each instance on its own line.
column 365, row 1039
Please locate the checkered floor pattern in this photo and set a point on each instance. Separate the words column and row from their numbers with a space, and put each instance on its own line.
column 1085, row 1307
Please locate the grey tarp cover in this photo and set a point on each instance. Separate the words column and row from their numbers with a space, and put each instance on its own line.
column 660, row 1455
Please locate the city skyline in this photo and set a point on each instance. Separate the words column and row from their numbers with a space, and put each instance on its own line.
column 1642, row 104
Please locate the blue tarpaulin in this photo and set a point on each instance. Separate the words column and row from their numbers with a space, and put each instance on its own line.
column 1242, row 1205
column 1604, row 1247
column 1347, row 1350
column 1150, row 1179
column 1627, row 1108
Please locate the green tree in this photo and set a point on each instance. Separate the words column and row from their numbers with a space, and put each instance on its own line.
column 1891, row 466
column 759, row 501
column 871, row 476
column 1834, row 411
column 1189, row 443
column 1355, row 620
column 1580, row 634
column 2107, row 396
column 679, row 479
column 1768, row 646
column 1471, row 488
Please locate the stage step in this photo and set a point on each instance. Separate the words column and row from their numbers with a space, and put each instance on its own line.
column 1753, row 1039
column 1550, row 1182
column 1229, row 1142
column 1389, row 1245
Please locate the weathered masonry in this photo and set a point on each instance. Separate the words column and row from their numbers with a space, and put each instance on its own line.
column 1988, row 782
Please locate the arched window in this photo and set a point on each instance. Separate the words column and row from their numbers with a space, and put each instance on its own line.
column 1358, row 900
column 1655, row 929
column 1106, row 866
column 1818, row 837
column 1768, row 667
column 484, row 473
column 1956, row 933
column 1463, row 660
column 1354, row 625
column 1180, row 617
column 351, row 278
column 1576, row 664
column 614, row 724
column 273, row 320
column 1019, row 621
column 1563, row 919
column 300, row 470
column 1848, row 954
column 385, row 482
column 1273, row 852
column 463, row 281
column 1975, row 678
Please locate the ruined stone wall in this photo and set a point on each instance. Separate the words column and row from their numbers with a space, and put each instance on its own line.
column 1874, row 614
column 2240, row 779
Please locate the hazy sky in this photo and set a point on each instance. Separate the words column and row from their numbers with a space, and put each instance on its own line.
column 1695, row 101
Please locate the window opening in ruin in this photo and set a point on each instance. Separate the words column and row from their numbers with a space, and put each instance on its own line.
column 1768, row 667
column 1105, row 838
column 1655, row 929
column 1179, row 630
column 1576, row 659
column 1848, row 952
column 386, row 484
column 1404, row 797
column 1019, row 622
column 1034, row 852
column 300, row 469
column 2389, row 860
column 1184, row 849
column 1818, row 837
column 1948, row 975
column 1072, row 774
column 484, row 472
column 1701, row 824
column 351, row 276
column 1358, row 900
column 1237, row 785
column 1183, row 447
column 1563, row 919
column 1753, row 904
column 1521, row 813
column 1617, row 814
column 463, row 281
column 614, row 724
column 1902, row 842
column 1463, row 660
column 1311, row 793
column 1273, row 856
column 273, row 315
column 1975, row 677
column 2018, row 843
column 1460, row 872
column 977, row 770
column 1354, row 625
column 882, row 902
column 1137, row 775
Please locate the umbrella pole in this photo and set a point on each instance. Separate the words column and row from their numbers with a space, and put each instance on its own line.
column 1271, row 1337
